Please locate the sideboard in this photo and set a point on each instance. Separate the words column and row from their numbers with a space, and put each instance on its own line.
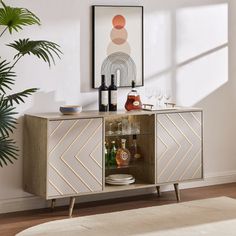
column 64, row 155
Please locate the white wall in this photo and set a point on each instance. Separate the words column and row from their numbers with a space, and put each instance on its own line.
column 189, row 47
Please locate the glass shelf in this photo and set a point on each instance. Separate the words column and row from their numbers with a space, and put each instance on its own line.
column 125, row 134
column 120, row 167
column 137, row 164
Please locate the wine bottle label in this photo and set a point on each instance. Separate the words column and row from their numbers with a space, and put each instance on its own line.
column 137, row 156
column 113, row 97
column 124, row 156
column 136, row 103
column 104, row 98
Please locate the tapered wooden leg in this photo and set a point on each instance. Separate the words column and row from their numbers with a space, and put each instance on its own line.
column 71, row 207
column 177, row 192
column 158, row 191
column 53, row 204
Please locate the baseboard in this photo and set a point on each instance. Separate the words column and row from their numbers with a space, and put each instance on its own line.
column 33, row 202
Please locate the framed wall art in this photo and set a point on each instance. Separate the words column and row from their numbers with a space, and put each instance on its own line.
column 118, row 44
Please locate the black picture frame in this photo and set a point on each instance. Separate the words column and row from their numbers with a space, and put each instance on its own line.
column 94, row 76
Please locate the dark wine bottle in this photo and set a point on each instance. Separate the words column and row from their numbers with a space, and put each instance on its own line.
column 103, row 96
column 112, row 95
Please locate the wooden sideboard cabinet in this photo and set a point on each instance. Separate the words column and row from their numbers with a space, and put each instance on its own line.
column 64, row 154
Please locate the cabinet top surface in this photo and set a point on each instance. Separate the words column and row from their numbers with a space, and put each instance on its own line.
column 97, row 114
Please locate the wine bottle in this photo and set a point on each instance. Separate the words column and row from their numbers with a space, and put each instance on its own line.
column 134, row 150
column 122, row 155
column 112, row 155
column 103, row 96
column 112, row 95
column 106, row 155
column 133, row 101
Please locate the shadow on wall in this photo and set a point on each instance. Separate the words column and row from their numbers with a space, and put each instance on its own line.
column 186, row 47
column 188, row 51
column 73, row 21
column 42, row 102
column 180, row 39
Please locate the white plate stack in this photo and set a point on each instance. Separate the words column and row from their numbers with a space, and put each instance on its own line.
column 120, row 179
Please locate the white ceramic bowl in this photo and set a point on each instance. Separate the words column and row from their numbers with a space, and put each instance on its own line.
column 70, row 110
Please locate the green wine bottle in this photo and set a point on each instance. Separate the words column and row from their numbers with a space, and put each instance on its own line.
column 112, row 156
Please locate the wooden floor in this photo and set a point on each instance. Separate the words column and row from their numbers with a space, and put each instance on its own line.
column 12, row 223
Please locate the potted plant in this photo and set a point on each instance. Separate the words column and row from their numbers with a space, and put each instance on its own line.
column 14, row 19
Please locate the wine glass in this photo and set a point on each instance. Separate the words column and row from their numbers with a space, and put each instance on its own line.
column 110, row 132
column 119, row 128
column 148, row 93
column 158, row 96
column 167, row 95
column 126, row 126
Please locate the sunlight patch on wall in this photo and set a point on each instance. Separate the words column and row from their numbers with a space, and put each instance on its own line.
column 201, row 77
column 200, row 29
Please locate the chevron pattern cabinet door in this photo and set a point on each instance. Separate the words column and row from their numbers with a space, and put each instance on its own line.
column 179, row 147
column 74, row 157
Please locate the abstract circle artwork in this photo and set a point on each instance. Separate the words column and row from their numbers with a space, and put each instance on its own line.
column 119, row 36
column 120, row 64
column 118, row 21
column 118, row 45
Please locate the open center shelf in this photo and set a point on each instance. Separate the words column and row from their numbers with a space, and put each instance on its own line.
column 140, row 129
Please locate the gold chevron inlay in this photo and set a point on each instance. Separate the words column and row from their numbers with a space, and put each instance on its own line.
column 59, row 125
column 73, row 143
column 197, row 170
column 172, row 158
column 78, row 136
column 184, row 157
column 189, row 165
column 78, row 176
column 77, row 155
column 91, row 154
column 189, row 125
column 90, row 172
column 162, row 155
column 66, row 181
column 64, row 161
column 63, row 137
column 199, row 121
column 89, row 139
column 55, row 187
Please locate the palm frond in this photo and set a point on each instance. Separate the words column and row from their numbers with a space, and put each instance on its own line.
column 15, row 18
column 43, row 49
column 6, row 76
column 8, row 151
column 19, row 97
column 7, row 119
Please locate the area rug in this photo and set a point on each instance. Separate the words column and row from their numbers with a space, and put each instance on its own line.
column 214, row 216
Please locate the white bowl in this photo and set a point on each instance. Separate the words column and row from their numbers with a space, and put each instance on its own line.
column 70, row 110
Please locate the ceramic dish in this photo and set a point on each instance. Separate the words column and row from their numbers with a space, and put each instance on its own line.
column 70, row 110
column 124, row 182
column 119, row 177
